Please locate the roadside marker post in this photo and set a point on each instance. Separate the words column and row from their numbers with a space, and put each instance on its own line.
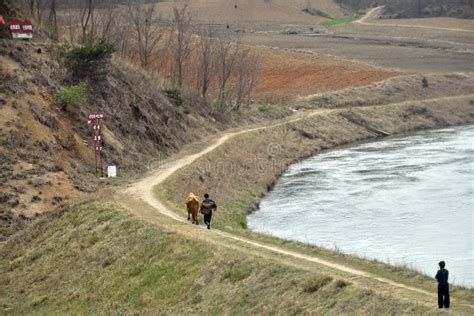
column 95, row 122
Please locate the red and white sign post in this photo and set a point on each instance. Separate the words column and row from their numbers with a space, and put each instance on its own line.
column 21, row 30
column 95, row 122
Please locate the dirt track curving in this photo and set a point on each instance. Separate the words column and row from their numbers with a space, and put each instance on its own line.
column 373, row 13
column 143, row 190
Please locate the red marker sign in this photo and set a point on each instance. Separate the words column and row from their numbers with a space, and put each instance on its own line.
column 96, row 116
column 15, row 26
column 27, row 27
column 21, row 30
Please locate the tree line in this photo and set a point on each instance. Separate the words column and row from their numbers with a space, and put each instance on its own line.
column 193, row 59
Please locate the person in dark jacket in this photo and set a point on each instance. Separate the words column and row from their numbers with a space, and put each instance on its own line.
column 207, row 206
column 443, row 286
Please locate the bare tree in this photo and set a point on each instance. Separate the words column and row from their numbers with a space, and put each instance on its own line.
column 180, row 42
column 205, row 58
column 53, row 18
column 226, row 57
column 87, row 21
column 246, row 70
column 71, row 18
column 147, row 30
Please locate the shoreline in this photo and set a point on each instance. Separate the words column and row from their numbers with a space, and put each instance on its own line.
column 299, row 140
column 357, row 143
column 277, row 231
column 239, row 196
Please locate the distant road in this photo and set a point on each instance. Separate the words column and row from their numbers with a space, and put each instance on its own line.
column 372, row 13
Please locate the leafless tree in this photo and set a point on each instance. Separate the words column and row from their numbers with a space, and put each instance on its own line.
column 205, row 58
column 147, row 31
column 87, row 21
column 70, row 17
column 180, row 42
column 53, row 19
column 246, row 70
column 226, row 56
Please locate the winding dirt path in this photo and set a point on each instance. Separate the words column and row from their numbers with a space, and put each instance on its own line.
column 143, row 191
column 373, row 13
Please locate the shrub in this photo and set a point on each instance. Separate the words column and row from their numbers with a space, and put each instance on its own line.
column 339, row 284
column 238, row 273
column 175, row 96
column 424, row 82
column 316, row 282
column 90, row 60
column 316, row 12
column 72, row 95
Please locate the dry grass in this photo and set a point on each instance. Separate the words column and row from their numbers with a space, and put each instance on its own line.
column 315, row 282
column 95, row 259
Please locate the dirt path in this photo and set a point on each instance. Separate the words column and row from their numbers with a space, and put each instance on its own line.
column 143, row 191
column 373, row 13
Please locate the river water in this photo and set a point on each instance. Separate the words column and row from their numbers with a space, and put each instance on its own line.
column 402, row 200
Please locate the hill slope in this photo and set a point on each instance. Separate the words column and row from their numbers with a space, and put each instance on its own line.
column 47, row 150
column 255, row 12
column 95, row 259
column 415, row 8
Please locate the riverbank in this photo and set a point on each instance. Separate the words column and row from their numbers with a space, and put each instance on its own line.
column 404, row 200
column 240, row 172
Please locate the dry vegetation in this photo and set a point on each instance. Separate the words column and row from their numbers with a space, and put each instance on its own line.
column 95, row 259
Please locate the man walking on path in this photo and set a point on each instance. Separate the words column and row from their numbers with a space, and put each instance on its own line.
column 443, row 286
column 207, row 207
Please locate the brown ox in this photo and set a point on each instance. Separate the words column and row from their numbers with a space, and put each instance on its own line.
column 192, row 203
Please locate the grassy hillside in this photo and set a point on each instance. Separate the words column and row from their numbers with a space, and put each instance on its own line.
column 95, row 259
column 47, row 148
column 415, row 8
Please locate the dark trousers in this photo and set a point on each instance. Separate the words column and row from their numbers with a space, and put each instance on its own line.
column 443, row 295
column 207, row 218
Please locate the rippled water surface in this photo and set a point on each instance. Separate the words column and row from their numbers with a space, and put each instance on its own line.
column 403, row 200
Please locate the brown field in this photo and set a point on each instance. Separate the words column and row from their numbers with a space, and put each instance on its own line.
column 254, row 11
column 306, row 58
column 444, row 22
column 432, row 45
column 288, row 73
column 417, row 50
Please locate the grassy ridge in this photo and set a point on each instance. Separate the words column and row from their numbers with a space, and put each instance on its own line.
column 96, row 259
column 334, row 22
